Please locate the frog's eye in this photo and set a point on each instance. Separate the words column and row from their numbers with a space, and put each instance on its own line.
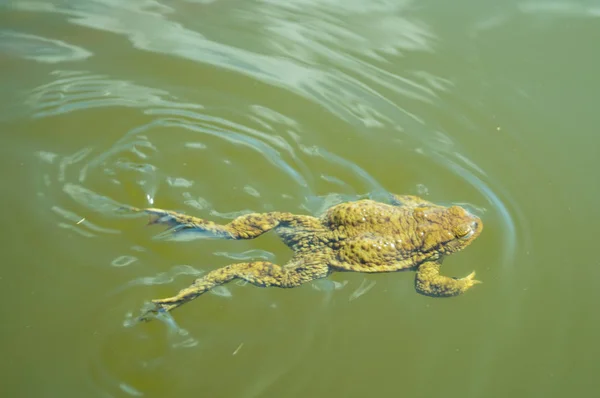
column 463, row 231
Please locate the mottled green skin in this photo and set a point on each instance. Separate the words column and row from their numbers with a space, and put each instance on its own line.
column 362, row 236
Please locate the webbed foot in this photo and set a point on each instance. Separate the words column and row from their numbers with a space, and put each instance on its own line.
column 470, row 280
column 159, row 306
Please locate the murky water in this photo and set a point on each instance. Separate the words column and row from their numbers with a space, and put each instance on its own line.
column 217, row 108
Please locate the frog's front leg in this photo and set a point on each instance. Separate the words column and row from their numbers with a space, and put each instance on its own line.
column 248, row 226
column 430, row 283
column 259, row 273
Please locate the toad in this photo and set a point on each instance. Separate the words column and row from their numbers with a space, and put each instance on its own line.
column 408, row 233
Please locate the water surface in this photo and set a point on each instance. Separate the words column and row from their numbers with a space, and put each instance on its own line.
column 219, row 108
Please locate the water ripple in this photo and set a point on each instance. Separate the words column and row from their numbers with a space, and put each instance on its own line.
column 297, row 32
column 39, row 48
column 269, row 153
column 70, row 91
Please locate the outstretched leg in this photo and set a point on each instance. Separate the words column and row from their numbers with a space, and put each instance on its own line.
column 430, row 283
column 244, row 227
column 260, row 273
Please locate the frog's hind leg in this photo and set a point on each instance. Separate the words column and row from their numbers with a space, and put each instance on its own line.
column 429, row 282
column 248, row 226
column 259, row 273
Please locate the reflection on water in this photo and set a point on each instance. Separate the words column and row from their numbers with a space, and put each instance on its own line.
column 39, row 49
column 70, row 91
column 299, row 41
column 220, row 108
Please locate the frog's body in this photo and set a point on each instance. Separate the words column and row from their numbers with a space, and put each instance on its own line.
column 361, row 236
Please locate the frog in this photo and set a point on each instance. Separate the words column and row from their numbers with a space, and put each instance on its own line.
column 404, row 233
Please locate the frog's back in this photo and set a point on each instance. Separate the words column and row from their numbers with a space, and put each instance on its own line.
column 367, row 216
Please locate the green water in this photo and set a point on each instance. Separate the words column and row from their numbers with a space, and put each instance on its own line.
column 217, row 108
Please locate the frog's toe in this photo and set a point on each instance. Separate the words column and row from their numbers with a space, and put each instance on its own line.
column 148, row 314
column 470, row 279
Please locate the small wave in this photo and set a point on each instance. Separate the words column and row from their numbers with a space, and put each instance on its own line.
column 70, row 91
column 40, row 49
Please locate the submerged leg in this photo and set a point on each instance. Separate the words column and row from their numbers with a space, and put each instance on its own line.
column 260, row 273
column 430, row 283
column 244, row 227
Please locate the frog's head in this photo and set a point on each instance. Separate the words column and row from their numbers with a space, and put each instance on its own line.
column 446, row 230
